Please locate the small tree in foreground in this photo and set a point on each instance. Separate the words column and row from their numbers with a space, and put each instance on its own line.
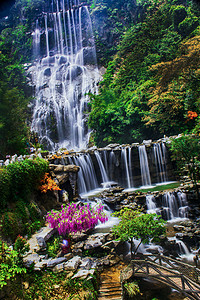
column 135, row 224
column 76, row 218
column 186, row 152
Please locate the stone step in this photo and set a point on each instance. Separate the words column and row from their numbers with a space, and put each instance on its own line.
column 117, row 288
column 110, row 290
column 107, row 285
column 109, row 297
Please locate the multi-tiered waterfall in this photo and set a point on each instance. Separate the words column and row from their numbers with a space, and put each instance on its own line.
column 64, row 72
column 129, row 166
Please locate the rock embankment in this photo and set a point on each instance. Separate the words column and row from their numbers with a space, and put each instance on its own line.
column 88, row 253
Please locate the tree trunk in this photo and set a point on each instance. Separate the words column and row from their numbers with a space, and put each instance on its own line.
column 137, row 249
column 132, row 249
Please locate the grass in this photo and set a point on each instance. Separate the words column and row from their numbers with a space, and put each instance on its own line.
column 159, row 188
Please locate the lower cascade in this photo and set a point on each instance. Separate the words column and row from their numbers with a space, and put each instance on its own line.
column 171, row 206
column 130, row 167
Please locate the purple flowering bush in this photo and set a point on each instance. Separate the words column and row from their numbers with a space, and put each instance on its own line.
column 75, row 218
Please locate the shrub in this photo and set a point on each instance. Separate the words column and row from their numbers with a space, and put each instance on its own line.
column 10, row 261
column 19, row 179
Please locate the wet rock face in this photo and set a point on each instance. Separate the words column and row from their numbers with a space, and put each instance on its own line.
column 67, row 177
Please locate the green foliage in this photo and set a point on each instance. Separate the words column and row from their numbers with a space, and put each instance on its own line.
column 153, row 80
column 186, row 152
column 19, row 179
column 15, row 222
column 74, row 286
column 20, row 245
column 53, row 247
column 135, row 224
column 132, row 288
column 15, row 50
column 47, row 285
column 11, row 263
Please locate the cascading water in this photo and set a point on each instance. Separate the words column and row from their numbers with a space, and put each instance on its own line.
column 87, row 180
column 160, row 161
column 151, row 205
column 115, row 166
column 172, row 206
column 101, row 167
column 126, row 166
column 63, row 74
column 144, row 165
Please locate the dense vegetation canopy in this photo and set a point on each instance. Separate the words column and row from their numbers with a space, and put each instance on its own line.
column 151, row 86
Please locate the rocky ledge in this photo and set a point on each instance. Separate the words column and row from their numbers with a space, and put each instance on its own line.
column 88, row 253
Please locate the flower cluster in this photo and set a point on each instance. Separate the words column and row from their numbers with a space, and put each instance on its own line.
column 191, row 115
column 56, row 156
column 47, row 184
column 76, row 218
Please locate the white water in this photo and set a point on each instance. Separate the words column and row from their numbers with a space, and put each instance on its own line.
column 184, row 252
column 127, row 167
column 144, row 166
column 160, row 161
column 63, row 76
column 151, row 205
column 101, row 167
column 175, row 207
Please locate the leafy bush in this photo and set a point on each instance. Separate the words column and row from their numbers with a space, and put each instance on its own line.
column 19, row 179
column 132, row 288
column 25, row 220
column 53, row 247
column 11, row 262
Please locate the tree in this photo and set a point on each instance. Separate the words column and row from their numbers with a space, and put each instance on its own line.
column 186, row 152
column 135, row 224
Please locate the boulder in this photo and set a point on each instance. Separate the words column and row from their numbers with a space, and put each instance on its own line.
column 68, row 256
column 41, row 264
column 71, row 168
column 91, row 244
column 83, row 274
column 72, row 264
column 58, row 268
column 79, row 237
column 30, row 259
column 41, row 242
column 62, row 178
column 56, row 261
column 86, row 264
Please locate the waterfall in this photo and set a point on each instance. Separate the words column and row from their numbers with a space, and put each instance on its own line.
column 183, row 250
column 144, row 165
column 130, row 167
column 173, row 205
column 183, row 205
column 151, row 205
column 86, row 177
column 111, row 163
column 160, row 161
column 63, row 74
column 101, row 167
column 36, row 40
column 125, row 163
